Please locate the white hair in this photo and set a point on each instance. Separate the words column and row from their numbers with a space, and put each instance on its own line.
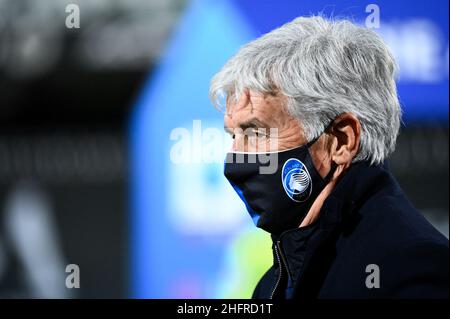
column 324, row 68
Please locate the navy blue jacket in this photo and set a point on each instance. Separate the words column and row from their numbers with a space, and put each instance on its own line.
column 369, row 242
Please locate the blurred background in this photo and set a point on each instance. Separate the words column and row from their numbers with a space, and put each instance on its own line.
column 86, row 116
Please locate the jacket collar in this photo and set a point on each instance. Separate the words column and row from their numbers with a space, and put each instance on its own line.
column 360, row 181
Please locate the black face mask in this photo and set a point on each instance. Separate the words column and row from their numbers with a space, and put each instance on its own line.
column 279, row 201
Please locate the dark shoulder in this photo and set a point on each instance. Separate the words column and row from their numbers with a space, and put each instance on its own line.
column 389, row 220
column 379, row 215
column 387, row 232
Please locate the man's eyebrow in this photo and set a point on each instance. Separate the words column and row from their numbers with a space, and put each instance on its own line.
column 252, row 123
column 229, row 130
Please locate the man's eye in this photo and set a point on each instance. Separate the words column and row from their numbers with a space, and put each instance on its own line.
column 260, row 133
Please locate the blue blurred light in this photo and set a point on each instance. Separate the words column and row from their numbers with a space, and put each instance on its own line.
column 177, row 93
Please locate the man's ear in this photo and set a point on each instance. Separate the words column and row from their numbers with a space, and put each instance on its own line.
column 345, row 133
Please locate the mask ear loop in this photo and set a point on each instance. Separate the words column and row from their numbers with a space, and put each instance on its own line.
column 310, row 143
column 331, row 172
column 333, row 168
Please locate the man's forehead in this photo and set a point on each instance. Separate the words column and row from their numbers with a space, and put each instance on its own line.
column 253, row 105
column 240, row 111
column 235, row 104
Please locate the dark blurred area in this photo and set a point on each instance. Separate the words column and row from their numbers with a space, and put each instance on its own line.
column 65, row 97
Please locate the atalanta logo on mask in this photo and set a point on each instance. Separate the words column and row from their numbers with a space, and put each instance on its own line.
column 296, row 180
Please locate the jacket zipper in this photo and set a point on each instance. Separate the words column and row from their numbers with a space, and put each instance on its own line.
column 282, row 266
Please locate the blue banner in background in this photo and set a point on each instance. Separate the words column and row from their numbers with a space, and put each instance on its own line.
column 416, row 32
column 190, row 235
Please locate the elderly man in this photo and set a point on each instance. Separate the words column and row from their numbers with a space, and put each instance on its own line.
column 320, row 98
